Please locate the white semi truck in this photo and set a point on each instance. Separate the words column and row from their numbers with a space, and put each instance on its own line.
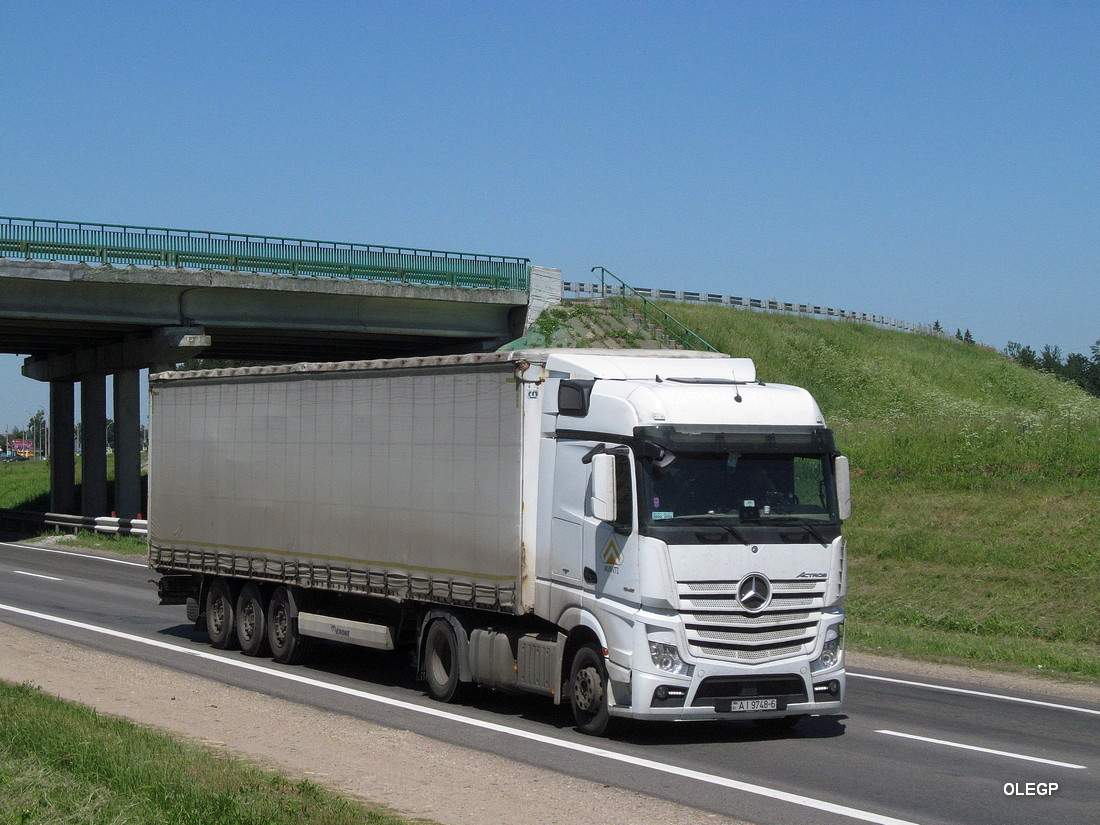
column 638, row 534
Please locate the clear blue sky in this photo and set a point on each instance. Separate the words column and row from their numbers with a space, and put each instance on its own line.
column 928, row 161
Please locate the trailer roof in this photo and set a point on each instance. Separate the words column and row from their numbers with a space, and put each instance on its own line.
column 532, row 356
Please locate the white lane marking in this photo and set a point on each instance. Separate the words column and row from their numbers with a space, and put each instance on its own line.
column 36, row 575
column 712, row 779
column 69, row 553
column 966, row 692
column 984, row 750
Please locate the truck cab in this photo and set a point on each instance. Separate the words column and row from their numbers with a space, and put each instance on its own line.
column 696, row 562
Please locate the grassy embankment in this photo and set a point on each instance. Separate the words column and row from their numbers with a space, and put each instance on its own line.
column 976, row 488
column 64, row 763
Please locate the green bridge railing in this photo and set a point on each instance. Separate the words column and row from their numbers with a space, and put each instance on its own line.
column 192, row 249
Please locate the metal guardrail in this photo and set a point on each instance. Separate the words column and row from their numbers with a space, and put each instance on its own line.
column 101, row 524
column 651, row 312
column 593, row 290
column 193, row 249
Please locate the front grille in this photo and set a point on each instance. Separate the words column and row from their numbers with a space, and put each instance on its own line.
column 718, row 627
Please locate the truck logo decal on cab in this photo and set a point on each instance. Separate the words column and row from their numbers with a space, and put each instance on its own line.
column 611, row 553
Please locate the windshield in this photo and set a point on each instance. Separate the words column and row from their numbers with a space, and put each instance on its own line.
column 742, row 487
column 750, row 496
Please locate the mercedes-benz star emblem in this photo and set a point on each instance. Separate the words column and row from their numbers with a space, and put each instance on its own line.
column 754, row 592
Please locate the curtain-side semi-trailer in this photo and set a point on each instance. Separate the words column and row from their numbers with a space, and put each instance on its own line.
column 650, row 535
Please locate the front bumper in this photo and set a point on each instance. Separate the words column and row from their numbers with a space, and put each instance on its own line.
column 717, row 693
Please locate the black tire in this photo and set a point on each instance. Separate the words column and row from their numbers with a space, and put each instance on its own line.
column 779, row 724
column 220, row 615
column 441, row 662
column 588, row 689
column 288, row 647
column 252, row 621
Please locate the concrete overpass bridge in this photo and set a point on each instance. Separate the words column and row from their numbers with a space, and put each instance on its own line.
column 84, row 301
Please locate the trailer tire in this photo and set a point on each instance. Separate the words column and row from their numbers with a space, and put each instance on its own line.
column 220, row 615
column 588, row 691
column 441, row 665
column 288, row 646
column 252, row 621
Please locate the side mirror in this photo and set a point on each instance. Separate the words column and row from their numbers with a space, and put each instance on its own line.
column 843, row 487
column 603, row 487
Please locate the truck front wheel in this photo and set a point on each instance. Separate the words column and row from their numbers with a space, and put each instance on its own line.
column 288, row 646
column 588, row 691
column 220, row 615
column 441, row 661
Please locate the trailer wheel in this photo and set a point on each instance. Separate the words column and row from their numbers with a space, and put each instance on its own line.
column 252, row 621
column 588, row 691
column 441, row 661
column 220, row 610
column 288, row 647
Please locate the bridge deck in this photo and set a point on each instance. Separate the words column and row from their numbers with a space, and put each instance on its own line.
column 191, row 249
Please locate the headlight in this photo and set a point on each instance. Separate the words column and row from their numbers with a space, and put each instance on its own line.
column 667, row 658
column 834, row 644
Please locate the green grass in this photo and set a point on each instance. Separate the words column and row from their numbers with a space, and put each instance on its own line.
column 24, row 484
column 976, row 488
column 65, row 763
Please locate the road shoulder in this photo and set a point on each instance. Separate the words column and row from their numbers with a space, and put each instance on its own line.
column 411, row 774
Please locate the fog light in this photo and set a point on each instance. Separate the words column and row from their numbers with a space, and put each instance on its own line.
column 832, row 688
column 668, row 696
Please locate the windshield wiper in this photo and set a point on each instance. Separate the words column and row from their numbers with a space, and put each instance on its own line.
column 792, row 520
column 713, row 521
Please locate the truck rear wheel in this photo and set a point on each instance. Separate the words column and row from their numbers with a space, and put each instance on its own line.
column 288, row 646
column 441, row 661
column 220, row 615
column 588, row 691
column 252, row 621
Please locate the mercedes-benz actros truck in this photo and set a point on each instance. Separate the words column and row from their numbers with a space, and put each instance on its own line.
column 636, row 534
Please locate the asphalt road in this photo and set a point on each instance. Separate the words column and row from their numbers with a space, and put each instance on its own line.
column 907, row 750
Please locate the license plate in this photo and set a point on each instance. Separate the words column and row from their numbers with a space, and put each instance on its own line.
column 749, row 705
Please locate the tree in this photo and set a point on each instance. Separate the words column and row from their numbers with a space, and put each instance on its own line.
column 1051, row 360
column 1077, row 368
column 1024, row 356
column 936, row 327
column 968, row 338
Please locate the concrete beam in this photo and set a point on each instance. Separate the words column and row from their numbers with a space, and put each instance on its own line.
column 165, row 345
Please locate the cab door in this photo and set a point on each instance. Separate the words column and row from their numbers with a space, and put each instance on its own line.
column 611, row 547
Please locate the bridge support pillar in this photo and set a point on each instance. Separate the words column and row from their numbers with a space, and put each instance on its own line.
column 127, row 444
column 93, row 452
column 90, row 366
column 62, row 460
